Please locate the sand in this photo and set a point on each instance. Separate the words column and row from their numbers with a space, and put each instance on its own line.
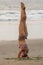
column 9, row 49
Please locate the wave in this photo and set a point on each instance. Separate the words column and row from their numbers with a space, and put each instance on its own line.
column 15, row 15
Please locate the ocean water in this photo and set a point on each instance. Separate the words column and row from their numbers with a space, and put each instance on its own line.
column 9, row 23
column 14, row 15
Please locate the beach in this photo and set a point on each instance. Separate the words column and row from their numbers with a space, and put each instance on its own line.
column 10, row 11
column 9, row 49
column 9, row 23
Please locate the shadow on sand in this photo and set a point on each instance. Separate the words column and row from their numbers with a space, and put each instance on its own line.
column 33, row 58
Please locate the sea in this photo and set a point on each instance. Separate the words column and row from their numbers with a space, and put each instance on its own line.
column 9, row 24
column 14, row 15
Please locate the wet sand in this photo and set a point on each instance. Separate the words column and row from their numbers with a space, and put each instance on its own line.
column 9, row 49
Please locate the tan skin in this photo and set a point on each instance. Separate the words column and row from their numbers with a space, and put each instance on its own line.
column 22, row 25
column 22, row 50
column 22, row 30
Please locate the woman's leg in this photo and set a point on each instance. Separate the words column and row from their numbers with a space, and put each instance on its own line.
column 25, row 29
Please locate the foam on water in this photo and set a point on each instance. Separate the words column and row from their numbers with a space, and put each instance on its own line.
column 9, row 21
column 35, row 14
column 14, row 15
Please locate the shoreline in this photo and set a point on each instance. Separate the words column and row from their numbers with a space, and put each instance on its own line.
column 28, row 40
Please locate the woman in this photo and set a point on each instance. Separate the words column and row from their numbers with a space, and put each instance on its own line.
column 23, row 33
